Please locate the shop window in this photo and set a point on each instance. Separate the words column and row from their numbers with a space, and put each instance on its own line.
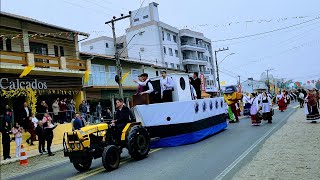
column 8, row 45
column 61, row 51
column 56, row 51
column 112, row 71
column 172, row 65
column 135, row 73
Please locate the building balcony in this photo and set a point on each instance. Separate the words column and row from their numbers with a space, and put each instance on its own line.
column 194, row 60
column 188, row 46
column 107, row 81
column 15, row 62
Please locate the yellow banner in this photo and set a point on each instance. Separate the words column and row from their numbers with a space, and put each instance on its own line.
column 125, row 76
column 86, row 76
column 223, row 83
column 26, row 71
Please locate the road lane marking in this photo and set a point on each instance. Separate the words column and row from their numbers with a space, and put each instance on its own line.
column 244, row 154
column 102, row 169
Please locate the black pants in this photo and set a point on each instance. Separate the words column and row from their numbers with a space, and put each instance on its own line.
column 49, row 142
column 198, row 94
column 167, row 96
column 6, row 150
column 41, row 145
column 301, row 103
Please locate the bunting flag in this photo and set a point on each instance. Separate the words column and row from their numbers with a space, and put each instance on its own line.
column 26, row 71
column 86, row 76
column 125, row 76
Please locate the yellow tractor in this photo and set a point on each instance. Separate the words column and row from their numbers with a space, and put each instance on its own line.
column 102, row 140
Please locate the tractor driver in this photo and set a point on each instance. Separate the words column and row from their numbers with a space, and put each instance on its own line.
column 121, row 117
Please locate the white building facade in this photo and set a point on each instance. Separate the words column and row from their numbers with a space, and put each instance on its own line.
column 152, row 41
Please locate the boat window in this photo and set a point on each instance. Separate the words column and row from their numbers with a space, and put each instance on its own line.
column 182, row 83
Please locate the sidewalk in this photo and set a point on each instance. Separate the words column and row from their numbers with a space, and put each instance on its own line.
column 33, row 150
column 293, row 152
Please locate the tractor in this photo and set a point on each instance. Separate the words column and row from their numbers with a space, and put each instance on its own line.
column 102, row 140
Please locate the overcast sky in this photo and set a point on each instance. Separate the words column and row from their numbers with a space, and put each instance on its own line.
column 293, row 53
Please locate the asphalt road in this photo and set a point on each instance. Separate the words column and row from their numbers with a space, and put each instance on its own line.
column 217, row 157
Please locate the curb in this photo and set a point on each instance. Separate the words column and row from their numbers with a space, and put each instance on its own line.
column 13, row 160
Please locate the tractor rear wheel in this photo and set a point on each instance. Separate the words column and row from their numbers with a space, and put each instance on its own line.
column 111, row 157
column 82, row 166
column 138, row 142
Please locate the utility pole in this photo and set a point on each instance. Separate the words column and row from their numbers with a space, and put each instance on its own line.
column 116, row 55
column 268, row 82
column 215, row 54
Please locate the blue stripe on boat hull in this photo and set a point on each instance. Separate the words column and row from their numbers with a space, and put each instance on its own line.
column 188, row 138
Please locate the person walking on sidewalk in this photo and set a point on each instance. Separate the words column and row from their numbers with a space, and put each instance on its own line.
column 31, row 130
column 17, row 131
column 266, row 106
column 6, row 131
column 48, row 127
column 41, row 137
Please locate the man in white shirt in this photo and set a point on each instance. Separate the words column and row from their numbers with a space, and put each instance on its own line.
column 147, row 86
column 166, row 84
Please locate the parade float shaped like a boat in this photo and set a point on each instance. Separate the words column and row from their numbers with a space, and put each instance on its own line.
column 183, row 121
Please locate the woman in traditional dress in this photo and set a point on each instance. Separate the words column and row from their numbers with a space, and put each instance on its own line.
column 254, row 102
column 247, row 105
column 266, row 106
column 312, row 109
column 281, row 101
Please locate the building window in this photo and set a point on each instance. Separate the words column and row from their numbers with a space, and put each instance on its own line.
column 177, row 53
column 209, row 59
column 61, row 51
column 166, row 64
column 172, row 65
column 112, row 71
column 164, row 50
column 162, row 36
column 120, row 46
column 135, row 73
column 135, row 20
column 145, row 17
column 8, row 45
column 157, row 73
column 170, row 52
column 174, row 38
column 1, row 43
column 168, row 37
column 56, row 51
column 178, row 66
column 107, row 45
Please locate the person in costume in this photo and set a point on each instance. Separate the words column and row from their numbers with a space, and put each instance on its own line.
column 247, row 105
column 231, row 96
column 281, row 98
column 254, row 108
column 266, row 106
column 311, row 107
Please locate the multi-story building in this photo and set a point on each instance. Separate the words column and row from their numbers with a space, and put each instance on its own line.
column 150, row 40
column 49, row 51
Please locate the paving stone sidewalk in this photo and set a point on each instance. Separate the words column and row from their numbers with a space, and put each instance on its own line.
column 291, row 153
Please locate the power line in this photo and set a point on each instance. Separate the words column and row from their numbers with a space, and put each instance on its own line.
column 267, row 32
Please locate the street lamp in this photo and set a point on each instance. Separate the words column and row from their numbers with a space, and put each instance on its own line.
column 226, row 57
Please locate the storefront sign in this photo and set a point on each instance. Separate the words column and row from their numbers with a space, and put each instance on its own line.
column 39, row 82
column 8, row 84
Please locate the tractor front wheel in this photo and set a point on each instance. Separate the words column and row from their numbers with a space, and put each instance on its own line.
column 111, row 157
column 82, row 166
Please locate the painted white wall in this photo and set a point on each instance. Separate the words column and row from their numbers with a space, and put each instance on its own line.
column 148, row 44
column 99, row 47
column 174, row 46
